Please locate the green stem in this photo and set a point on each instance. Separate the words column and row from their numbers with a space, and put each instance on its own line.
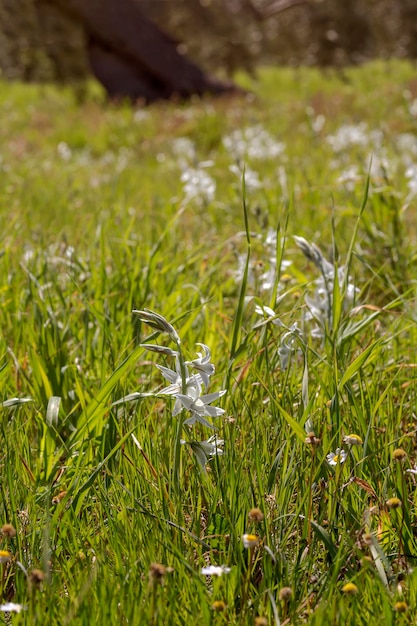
column 180, row 425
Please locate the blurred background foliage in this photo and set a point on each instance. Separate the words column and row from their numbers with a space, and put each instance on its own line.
column 38, row 42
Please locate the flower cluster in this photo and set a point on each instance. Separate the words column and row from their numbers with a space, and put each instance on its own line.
column 288, row 343
column 189, row 395
column 188, row 384
column 321, row 304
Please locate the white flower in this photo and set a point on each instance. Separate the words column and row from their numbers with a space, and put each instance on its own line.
column 184, row 149
column 268, row 313
column 288, row 345
column 350, row 177
column 215, row 570
column 174, row 377
column 205, row 450
column 349, row 135
column 198, row 405
column 212, row 446
column 252, row 181
column 12, row 607
column 334, row 458
column 203, row 365
column 198, row 185
column 321, row 304
column 253, row 142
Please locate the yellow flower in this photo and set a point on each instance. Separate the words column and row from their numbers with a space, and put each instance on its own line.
column 352, row 440
column 394, row 503
column 5, row 556
column 399, row 455
column 350, row 589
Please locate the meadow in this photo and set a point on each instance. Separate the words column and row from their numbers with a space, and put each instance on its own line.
column 208, row 354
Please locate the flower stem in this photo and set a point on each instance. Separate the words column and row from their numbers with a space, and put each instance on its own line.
column 180, row 424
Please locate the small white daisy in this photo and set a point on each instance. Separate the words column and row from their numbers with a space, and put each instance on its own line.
column 334, row 458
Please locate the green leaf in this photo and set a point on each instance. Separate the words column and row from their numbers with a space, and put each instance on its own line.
column 359, row 362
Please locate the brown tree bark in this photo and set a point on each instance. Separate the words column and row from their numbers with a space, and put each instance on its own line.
column 132, row 57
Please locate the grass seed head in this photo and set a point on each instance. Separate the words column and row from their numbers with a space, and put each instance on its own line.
column 218, row 606
column 261, row 621
column 401, row 606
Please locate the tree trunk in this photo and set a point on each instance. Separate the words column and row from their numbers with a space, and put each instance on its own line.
column 132, row 57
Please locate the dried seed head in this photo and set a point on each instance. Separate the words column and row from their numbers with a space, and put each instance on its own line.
column 350, row 589
column 218, row 606
column 8, row 531
column 312, row 440
column 36, row 578
column 255, row 515
column 394, row 503
column 261, row 621
column 399, row 455
column 60, row 496
column 156, row 573
column 285, row 593
column 368, row 539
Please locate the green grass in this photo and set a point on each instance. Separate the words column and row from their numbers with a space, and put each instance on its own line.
column 94, row 223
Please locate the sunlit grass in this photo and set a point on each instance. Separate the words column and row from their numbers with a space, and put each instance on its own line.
column 107, row 503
